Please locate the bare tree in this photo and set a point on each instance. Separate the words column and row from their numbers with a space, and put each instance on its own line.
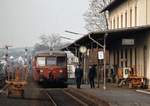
column 98, row 21
column 95, row 20
column 52, row 41
column 38, row 47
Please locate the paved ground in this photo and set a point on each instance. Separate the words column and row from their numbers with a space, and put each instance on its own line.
column 113, row 95
column 118, row 96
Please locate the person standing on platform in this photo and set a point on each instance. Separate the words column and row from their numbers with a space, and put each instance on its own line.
column 78, row 75
column 91, row 75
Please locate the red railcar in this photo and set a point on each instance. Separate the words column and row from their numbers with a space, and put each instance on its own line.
column 50, row 66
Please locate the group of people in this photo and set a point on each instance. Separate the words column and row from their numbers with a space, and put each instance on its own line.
column 91, row 75
column 12, row 65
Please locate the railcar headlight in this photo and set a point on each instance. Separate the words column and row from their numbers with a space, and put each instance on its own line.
column 60, row 71
column 41, row 71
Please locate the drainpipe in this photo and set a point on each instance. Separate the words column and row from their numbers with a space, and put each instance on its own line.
column 104, row 48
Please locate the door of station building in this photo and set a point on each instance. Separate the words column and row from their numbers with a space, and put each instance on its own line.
column 125, row 57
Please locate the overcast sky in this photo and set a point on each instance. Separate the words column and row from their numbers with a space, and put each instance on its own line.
column 23, row 21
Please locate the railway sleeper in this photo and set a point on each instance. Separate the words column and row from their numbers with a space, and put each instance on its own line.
column 75, row 98
column 87, row 98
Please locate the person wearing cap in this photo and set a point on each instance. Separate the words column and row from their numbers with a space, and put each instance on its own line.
column 91, row 75
column 78, row 75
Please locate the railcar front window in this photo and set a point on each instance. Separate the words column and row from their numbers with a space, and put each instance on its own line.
column 61, row 61
column 51, row 61
column 41, row 61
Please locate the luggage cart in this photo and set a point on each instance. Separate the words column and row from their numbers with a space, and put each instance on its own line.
column 16, row 82
column 136, row 81
column 128, row 76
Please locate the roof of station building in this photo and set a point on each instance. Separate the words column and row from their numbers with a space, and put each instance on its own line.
column 113, row 4
column 112, row 34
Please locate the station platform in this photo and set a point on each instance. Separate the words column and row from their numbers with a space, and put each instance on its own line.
column 116, row 96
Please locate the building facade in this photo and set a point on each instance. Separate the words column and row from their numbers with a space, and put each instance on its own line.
column 131, row 14
column 128, row 38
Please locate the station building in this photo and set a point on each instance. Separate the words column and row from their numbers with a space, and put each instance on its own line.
column 128, row 37
column 132, row 48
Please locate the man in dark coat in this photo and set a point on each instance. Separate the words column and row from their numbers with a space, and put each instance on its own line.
column 91, row 75
column 78, row 75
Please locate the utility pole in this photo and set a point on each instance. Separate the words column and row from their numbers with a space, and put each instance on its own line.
column 83, row 50
column 6, row 52
column 26, row 57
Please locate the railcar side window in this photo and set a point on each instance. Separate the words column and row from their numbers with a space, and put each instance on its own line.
column 51, row 61
column 61, row 61
column 40, row 61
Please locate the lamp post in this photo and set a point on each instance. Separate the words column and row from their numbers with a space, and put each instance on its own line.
column 104, row 49
column 83, row 50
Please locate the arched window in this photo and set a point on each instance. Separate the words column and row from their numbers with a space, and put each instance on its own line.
column 118, row 22
column 114, row 23
column 126, row 19
column 121, row 20
column 135, row 15
column 131, row 17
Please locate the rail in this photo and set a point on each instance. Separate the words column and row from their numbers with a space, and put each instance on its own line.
column 76, row 99
column 51, row 99
column 61, row 97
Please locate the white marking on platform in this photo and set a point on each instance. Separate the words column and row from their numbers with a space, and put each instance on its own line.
column 142, row 91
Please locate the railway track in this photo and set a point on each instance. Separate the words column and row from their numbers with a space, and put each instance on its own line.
column 59, row 97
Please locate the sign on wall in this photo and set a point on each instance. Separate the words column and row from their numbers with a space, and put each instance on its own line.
column 100, row 55
column 127, row 41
